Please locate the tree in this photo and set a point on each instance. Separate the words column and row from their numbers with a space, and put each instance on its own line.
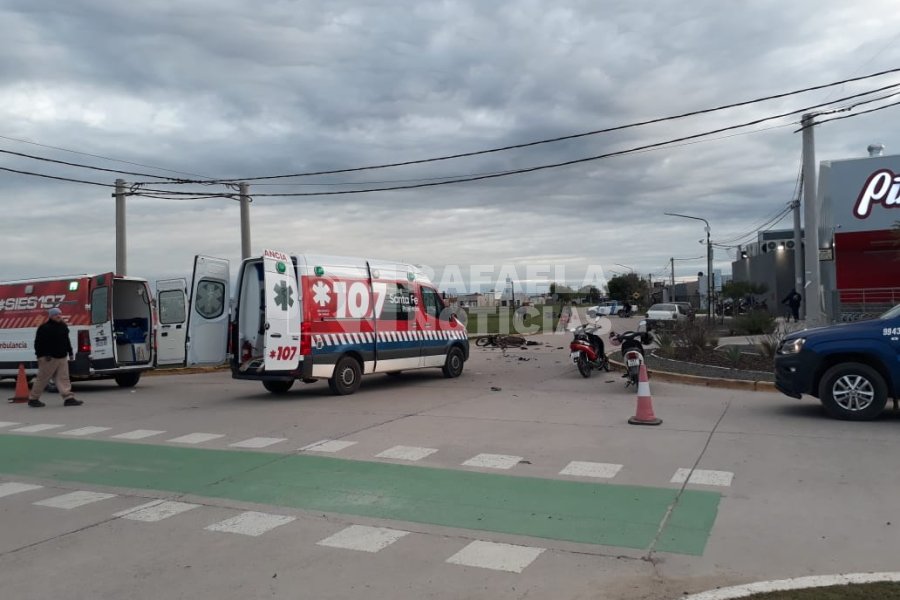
column 624, row 287
column 591, row 292
column 561, row 293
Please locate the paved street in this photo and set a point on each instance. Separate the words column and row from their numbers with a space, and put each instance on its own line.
column 519, row 479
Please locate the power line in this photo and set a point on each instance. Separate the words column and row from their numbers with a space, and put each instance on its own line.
column 82, row 166
column 100, row 156
column 577, row 135
column 560, row 164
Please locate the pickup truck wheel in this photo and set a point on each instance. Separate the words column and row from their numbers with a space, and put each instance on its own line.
column 278, row 387
column 346, row 378
column 853, row 392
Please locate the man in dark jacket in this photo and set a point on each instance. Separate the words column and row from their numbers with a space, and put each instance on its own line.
column 793, row 300
column 53, row 349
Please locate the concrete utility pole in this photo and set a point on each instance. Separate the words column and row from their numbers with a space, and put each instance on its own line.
column 245, row 220
column 811, row 224
column 121, row 254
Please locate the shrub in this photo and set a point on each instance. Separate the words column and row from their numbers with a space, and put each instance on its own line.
column 754, row 323
column 694, row 337
column 733, row 354
column 768, row 345
column 666, row 342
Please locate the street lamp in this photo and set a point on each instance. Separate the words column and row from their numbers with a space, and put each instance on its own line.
column 624, row 266
column 709, row 255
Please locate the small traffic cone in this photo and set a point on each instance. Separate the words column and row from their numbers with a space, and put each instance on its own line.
column 21, row 386
column 644, row 414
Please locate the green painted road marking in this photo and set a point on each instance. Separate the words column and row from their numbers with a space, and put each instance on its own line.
column 591, row 513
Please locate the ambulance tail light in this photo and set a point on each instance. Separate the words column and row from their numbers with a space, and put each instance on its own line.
column 305, row 338
column 84, row 341
column 246, row 351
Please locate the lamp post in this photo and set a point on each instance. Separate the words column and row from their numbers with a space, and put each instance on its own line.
column 709, row 255
column 624, row 267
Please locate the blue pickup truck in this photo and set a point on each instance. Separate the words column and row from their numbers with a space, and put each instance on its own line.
column 852, row 368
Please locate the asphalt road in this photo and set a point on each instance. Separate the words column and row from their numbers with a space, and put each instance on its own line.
column 519, row 479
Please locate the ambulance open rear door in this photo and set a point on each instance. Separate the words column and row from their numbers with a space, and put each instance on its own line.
column 282, row 301
column 209, row 312
column 171, row 309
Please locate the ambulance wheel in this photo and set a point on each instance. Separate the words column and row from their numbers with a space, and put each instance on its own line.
column 346, row 379
column 127, row 380
column 278, row 387
column 453, row 367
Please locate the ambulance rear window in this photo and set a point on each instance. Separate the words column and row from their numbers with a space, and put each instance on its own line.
column 100, row 305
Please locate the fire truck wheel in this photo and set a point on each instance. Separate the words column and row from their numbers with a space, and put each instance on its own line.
column 347, row 375
column 278, row 387
column 453, row 367
column 127, row 380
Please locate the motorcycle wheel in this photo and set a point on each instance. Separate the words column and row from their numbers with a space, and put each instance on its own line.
column 584, row 365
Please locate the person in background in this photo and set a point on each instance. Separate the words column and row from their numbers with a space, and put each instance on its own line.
column 53, row 349
column 793, row 300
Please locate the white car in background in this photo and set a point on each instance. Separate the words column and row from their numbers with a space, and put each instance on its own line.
column 666, row 312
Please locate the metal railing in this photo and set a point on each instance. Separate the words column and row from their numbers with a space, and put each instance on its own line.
column 867, row 303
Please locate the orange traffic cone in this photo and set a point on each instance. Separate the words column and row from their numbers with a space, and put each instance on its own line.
column 644, row 414
column 21, row 386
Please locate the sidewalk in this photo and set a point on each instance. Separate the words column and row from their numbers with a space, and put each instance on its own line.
column 782, row 328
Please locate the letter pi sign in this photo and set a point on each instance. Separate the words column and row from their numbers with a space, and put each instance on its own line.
column 883, row 186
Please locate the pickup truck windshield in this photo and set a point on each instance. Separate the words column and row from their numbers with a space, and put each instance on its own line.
column 894, row 312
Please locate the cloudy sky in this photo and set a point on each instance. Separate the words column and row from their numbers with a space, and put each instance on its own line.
column 222, row 89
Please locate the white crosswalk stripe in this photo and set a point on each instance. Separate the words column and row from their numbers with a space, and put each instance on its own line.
column 258, row 442
column 406, row 453
column 8, row 424
column 82, row 431
column 37, row 428
column 196, row 438
column 137, row 434
column 363, row 538
column 327, row 446
column 74, row 499
column 156, row 510
column 251, row 523
column 498, row 557
column 493, row 461
column 12, row 487
column 703, row 477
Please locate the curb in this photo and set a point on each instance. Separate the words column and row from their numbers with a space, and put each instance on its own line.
column 728, row 384
column 797, row 583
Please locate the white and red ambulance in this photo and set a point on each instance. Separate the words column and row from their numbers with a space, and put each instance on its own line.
column 311, row 317
column 118, row 329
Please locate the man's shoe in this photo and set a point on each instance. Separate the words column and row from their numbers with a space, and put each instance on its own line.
column 36, row 404
column 72, row 402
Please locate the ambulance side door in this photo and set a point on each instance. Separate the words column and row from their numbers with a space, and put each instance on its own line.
column 171, row 308
column 282, row 323
column 102, row 335
column 209, row 312
column 435, row 341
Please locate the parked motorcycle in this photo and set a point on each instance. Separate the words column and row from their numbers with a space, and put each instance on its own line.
column 632, row 353
column 587, row 351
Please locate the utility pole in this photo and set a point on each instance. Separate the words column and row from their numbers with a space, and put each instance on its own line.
column 811, row 225
column 709, row 261
column 245, row 220
column 672, row 264
column 121, row 255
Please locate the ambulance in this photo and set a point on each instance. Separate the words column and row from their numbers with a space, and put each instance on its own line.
column 309, row 317
column 118, row 329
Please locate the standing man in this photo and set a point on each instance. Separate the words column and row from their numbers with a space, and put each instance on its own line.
column 54, row 350
column 793, row 300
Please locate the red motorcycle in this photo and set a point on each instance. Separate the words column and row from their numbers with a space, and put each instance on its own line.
column 586, row 350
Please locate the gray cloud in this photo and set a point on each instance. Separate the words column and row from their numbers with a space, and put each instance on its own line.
column 226, row 89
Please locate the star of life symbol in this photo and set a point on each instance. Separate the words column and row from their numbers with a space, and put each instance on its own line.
column 321, row 294
column 284, row 295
